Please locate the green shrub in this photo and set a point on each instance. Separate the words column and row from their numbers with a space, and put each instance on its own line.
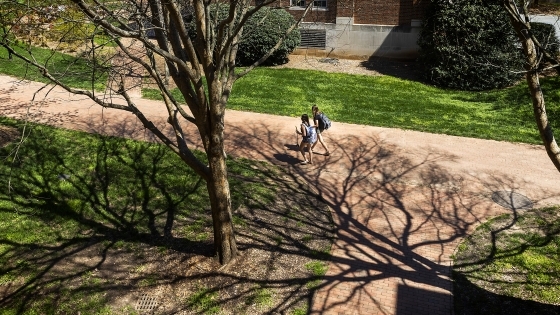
column 546, row 35
column 469, row 45
column 260, row 33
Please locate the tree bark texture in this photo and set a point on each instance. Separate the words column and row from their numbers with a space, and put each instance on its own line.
column 532, row 55
column 225, row 246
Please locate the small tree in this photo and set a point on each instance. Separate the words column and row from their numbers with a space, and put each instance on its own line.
column 468, row 45
column 535, row 54
column 202, row 68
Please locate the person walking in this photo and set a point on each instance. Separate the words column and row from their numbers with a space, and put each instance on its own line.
column 320, row 129
column 309, row 134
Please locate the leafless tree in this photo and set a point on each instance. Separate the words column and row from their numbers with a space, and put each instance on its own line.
column 535, row 55
column 203, row 69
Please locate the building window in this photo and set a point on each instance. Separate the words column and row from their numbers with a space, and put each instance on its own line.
column 322, row 4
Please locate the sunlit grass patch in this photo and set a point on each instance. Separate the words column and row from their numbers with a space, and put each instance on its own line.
column 75, row 71
column 386, row 101
column 516, row 260
column 204, row 300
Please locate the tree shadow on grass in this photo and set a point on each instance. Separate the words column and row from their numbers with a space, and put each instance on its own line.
column 493, row 261
column 80, row 200
column 397, row 222
column 116, row 220
column 402, row 69
column 471, row 299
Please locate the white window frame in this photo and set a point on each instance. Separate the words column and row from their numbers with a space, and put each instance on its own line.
column 301, row 4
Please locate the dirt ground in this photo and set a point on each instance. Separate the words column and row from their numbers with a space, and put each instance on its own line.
column 7, row 135
column 545, row 8
column 406, row 69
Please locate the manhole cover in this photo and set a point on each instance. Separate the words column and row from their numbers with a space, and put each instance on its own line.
column 512, row 200
column 146, row 303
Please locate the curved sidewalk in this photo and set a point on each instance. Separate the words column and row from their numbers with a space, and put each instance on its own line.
column 401, row 200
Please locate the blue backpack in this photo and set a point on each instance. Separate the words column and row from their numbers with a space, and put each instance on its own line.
column 312, row 133
column 324, row 122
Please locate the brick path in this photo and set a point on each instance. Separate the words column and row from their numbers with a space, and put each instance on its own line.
column 401, row 200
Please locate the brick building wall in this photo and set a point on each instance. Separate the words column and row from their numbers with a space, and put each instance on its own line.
column 327, row 15
column 362, row 28
column 388, row 12
column 345, row 8
column 420, row 9
column 375, row 12
column 380, row 12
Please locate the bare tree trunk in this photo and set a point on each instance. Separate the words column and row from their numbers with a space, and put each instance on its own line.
column 541, row 118
column 532, row 65
column 225, row 246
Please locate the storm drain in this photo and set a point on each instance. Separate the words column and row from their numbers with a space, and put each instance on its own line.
column 512, row 200
column 146, row 304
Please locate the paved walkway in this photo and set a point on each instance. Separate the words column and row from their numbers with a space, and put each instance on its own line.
column 402, row 200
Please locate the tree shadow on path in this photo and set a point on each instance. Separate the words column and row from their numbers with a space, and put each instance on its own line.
column 398, row 220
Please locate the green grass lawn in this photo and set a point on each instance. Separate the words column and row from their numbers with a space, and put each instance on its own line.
column 391, row 102
column 510, row 266
column 86, row 219
column 66, row 191
column 74, row 71
column 376, row 101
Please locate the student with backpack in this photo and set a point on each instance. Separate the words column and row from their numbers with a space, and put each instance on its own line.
column 322, row 123
column 309, row 134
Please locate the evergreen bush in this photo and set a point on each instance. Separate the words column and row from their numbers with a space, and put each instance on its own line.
column 469, row 45
column 546, row 35
column 260, row 33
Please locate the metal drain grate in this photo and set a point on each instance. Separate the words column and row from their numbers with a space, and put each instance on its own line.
column 146, row 304
column 512, row 200
column 313, row 38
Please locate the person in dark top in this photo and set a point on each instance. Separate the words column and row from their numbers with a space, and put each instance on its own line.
column 320, row 129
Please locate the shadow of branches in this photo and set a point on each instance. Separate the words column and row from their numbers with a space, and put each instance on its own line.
column 113, row 220
column 84, row 198
column 398, row 220
column 507, row 265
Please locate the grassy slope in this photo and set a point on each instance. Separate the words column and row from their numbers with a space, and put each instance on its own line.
column 377, row 101
column 391, row 102
column 76, row 72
